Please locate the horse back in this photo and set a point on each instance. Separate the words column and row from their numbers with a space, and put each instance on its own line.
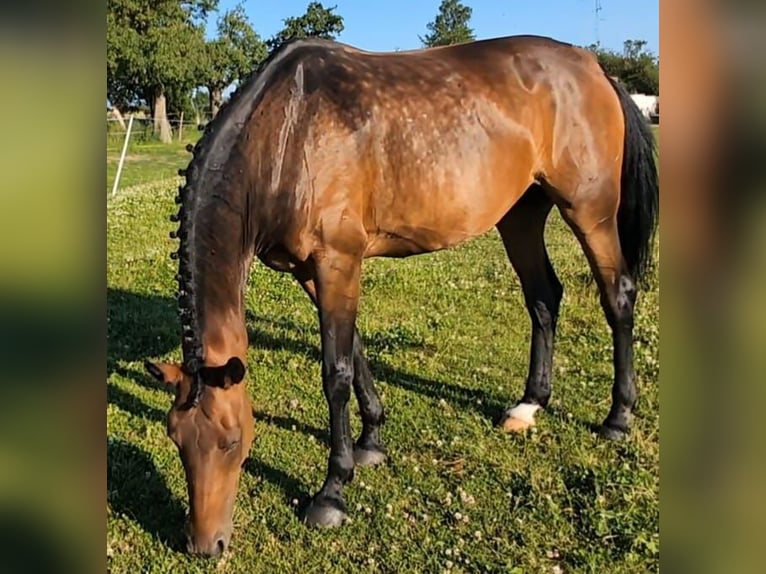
column 406, row 152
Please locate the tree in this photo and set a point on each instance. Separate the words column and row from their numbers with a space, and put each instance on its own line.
column 317, row 22
column 642, row 70
column 450, row 25
column 122, row 84
column 232, row 56
column 154, row 47
column 636, row 67
column 200, row 103
column 179, row 102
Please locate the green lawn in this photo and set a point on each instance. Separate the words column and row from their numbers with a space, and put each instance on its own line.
column 447, row 336
column 146, row 161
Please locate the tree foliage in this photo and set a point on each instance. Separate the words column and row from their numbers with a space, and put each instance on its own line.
column 450, row 25
column 230, row 57
column 154, row 47
column 636, row 67
column 152, row 44
column 317, row 22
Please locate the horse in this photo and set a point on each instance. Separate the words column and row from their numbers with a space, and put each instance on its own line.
column 328, row 155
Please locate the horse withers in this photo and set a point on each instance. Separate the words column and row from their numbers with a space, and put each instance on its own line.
column 329, row 155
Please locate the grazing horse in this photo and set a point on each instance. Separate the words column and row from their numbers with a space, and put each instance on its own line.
column 329, row 155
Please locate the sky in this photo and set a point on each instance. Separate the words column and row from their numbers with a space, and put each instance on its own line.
column 396, row 24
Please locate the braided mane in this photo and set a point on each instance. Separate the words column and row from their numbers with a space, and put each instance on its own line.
column 210, row 156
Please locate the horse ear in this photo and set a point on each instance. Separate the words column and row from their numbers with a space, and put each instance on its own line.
column 235, row 370
column 168, row 373
column 224, row 376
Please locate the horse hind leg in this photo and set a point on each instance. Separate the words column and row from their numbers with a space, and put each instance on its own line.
column 596, row 228
column 522, row 231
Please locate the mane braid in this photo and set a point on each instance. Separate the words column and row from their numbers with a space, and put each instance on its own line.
column 209, row 154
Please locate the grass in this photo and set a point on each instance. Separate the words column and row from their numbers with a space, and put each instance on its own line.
column 447, row 336
column 146, row 160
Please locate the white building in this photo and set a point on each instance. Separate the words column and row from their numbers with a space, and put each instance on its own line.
column 647, row 104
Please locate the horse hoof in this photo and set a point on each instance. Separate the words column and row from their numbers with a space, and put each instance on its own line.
column 519, row 418
column 612, row 433
column 325, row 513
column 515, row 425
column 366, row 457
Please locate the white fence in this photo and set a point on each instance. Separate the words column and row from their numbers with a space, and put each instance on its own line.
column 143, row 129
column 138, row 129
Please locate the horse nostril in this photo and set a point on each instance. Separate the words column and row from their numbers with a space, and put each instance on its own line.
column 221, row 545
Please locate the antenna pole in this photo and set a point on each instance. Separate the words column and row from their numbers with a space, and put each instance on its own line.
column 597, row 11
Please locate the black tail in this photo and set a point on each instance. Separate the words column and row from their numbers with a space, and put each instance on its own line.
column 640, row 191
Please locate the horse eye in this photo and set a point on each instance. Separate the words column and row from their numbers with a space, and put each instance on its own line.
column 231, row 445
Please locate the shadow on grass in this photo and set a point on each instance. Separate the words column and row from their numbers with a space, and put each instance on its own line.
column 260, row 337
column 138, row 327
column 136, row 488
column 144, row 326
column 132, row 404
column 291, row 487
column 289, row 424
column 589, row 426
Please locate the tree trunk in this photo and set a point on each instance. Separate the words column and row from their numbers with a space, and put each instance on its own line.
column 161, row 123
column 216, row 97
column 117, row 116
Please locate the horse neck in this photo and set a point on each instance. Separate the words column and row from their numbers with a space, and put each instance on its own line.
column 216, row 253
column 223, row 335
column 219, row 231
column 221, row 271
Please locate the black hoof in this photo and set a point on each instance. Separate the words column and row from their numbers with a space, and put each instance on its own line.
column 325, row 513
column 369, row 456
column 612, row 433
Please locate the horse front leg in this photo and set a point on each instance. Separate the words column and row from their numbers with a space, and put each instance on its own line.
column 337, row 290
column 368, row 448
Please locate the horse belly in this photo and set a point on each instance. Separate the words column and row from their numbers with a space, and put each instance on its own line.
column 404, row 241
column 438, row 220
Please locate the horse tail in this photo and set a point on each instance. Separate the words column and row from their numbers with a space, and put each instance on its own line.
column 638, row 212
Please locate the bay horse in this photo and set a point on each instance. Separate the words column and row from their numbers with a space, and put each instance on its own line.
column 328, row 155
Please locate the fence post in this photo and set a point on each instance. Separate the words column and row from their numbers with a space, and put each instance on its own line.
column 122, row 155
column 181, row 127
